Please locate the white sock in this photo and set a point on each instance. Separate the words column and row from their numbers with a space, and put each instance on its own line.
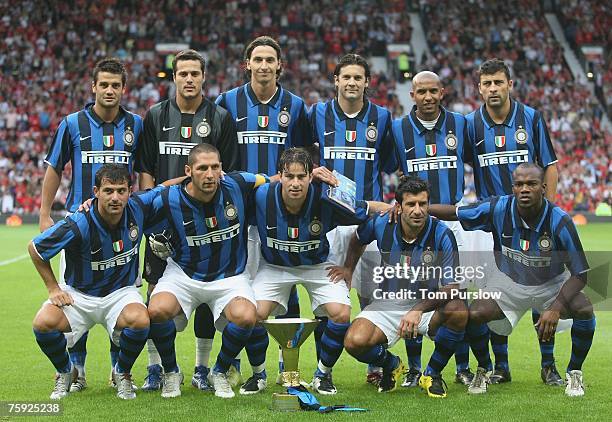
column 203, row 349
column 323, row 368
column 259, row 369
column 154, row 358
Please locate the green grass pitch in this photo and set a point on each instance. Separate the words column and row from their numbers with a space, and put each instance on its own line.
column 27, row 374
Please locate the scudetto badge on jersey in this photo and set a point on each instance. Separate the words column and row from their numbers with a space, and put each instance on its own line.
column 545, row 243
column 371, row 133
column 284, row 118
column 118, row 246
column 211, row 222
column 108, row 140
column 128, row 137
column 133, row 233
column 293, row 232
column 315, row 227
column 500, row 141
column 450, row 141
column 405, row 259
column 262, row 121
column 203, row 129
column 431, row 149
column 520, row 136
column 350, row 135
column 186, row 132
column 230, row 212
column 524, row 244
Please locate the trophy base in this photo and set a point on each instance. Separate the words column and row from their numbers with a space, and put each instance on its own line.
column 285, row 403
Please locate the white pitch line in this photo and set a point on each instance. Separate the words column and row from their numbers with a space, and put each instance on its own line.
column 16, row 259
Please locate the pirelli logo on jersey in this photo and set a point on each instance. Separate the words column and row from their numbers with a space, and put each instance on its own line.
column 290, row 246
column 349, row 153
column 434, row 163
column 526, row 260
column 175, row 148
column 262, row 137
column 105, row 157
column 503, row 157
column 214, row 237
column 115, row 261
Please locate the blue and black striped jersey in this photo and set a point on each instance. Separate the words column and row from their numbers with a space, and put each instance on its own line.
column 88, row 142
column 528, row 255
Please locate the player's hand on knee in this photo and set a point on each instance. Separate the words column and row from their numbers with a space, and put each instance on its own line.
column 322, row 174
column 85, row 206
column 409, row 324
column 160, row 245
column 547, row 324
column 60, row 298
column 338, row 273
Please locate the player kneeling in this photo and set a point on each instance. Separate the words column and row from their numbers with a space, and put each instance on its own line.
column 101, row 268
column 418, row 246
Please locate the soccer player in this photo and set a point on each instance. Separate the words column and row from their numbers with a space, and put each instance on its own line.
column 208, row 219
column 171, row 128
column 355, row 140
column 293, row 221
column 432, row 144
column 503, row 134
column 426, row 249
column 269, row 120
column 101, row 269
column 542, row 266
column 102, row 133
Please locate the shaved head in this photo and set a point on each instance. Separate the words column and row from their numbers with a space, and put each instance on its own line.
column 426, row 76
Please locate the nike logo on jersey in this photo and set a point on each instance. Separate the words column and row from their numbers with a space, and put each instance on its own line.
column 188, row 222
column 270, row 228
column 328, row 133
column 239, row 119
column 479, row 142
column 96, row 251
column 82, row 138
column 506, row 236
column 409, row 149
column 166, row 129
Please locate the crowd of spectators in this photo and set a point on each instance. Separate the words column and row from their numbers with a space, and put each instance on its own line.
column 47, row 53
column 463, row 34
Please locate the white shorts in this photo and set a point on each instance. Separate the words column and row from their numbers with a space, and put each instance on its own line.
column 87, row 311
column 388, row 321
column 274, row 282
column 192, row 293
column 339, row 240
column 253, row 252
column 516, row 299
column 477, row 253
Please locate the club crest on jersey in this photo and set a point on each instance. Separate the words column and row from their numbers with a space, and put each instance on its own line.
column 450, row 141
column 500, row 141
column 133, row 233
column 315, row 227
column 203, row 129
column 520, row 136
column 427, row 257
column 186, row 132
column 404, row 260
column 524, row 244
column 128, row 137
column 263, row 121
column 108, row 140
column 230, row 212
column 350, row 135
column 293, row 232
column 211, row 222
column 545, row 243
column 431, row 149
column 284, row 118
column 372, row 133
column 118, row 246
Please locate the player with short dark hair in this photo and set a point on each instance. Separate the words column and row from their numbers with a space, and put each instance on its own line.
column 503, row 134
column 542, row 266
column 102, row 133
column 432, row 144
column 171, row 129
column 269, row 119
column 421, row 246
column 293, row 217
column 101, row 272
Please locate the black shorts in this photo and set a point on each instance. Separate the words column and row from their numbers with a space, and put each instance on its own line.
column 153, row 266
